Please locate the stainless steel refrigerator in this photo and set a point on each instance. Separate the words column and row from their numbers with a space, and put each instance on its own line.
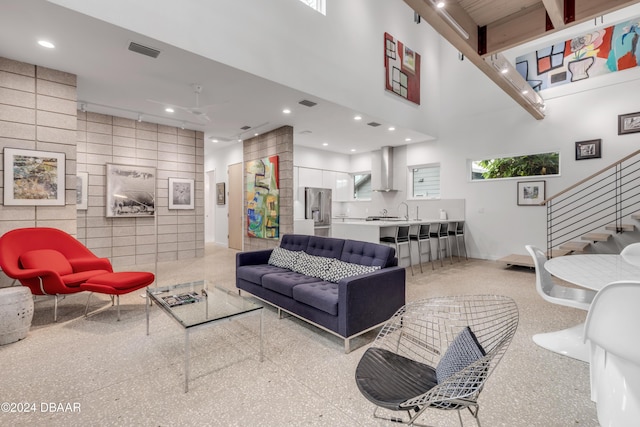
column 317, row 203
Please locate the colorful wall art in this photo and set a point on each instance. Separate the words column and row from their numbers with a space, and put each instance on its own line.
column 263, row 198
column 599, row 52
column 402, row 69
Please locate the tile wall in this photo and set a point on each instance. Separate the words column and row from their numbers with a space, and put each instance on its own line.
column 175, row 153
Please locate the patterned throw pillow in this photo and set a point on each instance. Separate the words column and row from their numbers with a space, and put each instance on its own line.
column 283, row 257
column 462, row 352
column 340, row 269
column 311, row 265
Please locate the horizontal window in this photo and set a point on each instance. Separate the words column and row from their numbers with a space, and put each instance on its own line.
column 516, row 167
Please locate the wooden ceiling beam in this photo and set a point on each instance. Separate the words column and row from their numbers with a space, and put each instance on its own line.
column 426, row 10
column 555, row 10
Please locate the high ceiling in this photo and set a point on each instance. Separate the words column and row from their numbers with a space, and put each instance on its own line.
column 114, row 80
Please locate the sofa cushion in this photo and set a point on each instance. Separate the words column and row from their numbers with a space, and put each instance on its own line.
column 311, row 265
column 366, row 253
column 295, row 242
column 284, row 258
column 320, row 295
column 254, row 273
column 46, row 259
column 283, row 282
column 339, row 270
column 325, row 246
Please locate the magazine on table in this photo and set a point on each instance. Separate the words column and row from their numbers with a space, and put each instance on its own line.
column 181, row 299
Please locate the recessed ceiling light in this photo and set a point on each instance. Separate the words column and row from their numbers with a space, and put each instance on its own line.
column 256, row 134
column 524, row 91
column 286, row 111
column 392, row 128
column 440, row 4
column 357, row 118
column 46, row 44
column 505, row 70
column 324, row 144
column 353, row 149
column 169, row 110
column 215, row 141
column 407, row 139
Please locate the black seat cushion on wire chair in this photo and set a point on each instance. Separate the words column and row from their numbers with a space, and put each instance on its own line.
column 388, row 379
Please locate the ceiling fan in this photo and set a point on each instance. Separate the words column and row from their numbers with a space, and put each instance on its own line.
column 200, row 111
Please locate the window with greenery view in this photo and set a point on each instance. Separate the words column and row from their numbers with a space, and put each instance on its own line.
column 516, row 167
column 362, row 186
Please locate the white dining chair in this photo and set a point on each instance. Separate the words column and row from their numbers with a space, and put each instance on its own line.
column 549, row 290
column 611, row 331
column 631, row 250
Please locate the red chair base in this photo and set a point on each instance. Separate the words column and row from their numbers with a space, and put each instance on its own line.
column 116, row 284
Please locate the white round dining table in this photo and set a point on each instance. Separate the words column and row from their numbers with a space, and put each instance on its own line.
column 594, row 271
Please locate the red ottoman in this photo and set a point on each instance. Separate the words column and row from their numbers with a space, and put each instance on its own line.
column 117, row 284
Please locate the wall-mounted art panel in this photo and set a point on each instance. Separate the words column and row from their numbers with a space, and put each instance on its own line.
column 131, row 190
column 263, row 198
column 402, row 69
column 33, row 178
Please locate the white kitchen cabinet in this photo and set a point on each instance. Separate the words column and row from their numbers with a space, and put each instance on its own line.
column 329, row 181
column 343, row 188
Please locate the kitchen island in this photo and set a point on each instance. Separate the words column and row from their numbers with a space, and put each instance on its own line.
column 371, row 231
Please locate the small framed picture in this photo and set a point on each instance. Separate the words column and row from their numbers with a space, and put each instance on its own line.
column 131, row 191
column 82, row 188
column 33, row 178
column 531, row 193
column 181, row 193
column 220, row 194
column 628, row 123
column 588, row 149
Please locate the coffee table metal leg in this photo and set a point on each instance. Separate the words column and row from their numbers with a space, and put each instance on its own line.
column 146, row 309
column 186, row 360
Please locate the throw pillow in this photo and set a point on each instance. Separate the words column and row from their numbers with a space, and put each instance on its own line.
column 462, row 352
column 340, row 269
column 312, row 265
column 284, row 258
column 47, row 259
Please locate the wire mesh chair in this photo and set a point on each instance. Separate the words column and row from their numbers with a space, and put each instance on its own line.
column 406, row 367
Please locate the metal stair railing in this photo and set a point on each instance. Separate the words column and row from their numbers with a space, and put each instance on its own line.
column 599, row 200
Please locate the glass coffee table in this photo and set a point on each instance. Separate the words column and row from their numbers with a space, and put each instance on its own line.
column 195, row 305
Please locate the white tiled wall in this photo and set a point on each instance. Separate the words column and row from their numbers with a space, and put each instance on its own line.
column 175, row 153
column 38, row 112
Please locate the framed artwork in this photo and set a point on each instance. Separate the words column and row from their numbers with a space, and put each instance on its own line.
column 531, row 193
column 588, row 149
column 402, row 69
column 263, row 198
column 34, row 178
column 628, row 123
column 181, row 193
column 220, row 194
column 82, row 189
column 131, row 191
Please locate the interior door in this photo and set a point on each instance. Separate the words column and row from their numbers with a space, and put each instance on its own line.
column 235, row 197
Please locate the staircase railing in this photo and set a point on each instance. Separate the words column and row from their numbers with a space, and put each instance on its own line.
column 599, row 200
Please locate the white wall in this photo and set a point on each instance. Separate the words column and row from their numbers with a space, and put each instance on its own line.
column 337, row 57
column 218, row 160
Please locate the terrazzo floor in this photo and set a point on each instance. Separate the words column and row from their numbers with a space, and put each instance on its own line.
column 96, row 371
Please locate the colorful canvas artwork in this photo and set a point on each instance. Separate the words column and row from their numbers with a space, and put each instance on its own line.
column 263, row 198
column 599, row 52
column 33, row 178
column 402, row 69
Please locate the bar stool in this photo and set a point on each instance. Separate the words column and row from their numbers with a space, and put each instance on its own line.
column 439, row 231
column 401, row 238
column 423, row 236
column 457, row 231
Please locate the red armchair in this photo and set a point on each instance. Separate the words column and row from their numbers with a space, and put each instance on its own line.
column 49, row 261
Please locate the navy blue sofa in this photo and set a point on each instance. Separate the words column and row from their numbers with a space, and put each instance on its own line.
column 346, row 307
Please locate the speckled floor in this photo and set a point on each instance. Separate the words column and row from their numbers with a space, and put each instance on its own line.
column 96, row 371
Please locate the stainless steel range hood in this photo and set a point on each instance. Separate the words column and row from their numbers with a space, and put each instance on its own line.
column 386, row 170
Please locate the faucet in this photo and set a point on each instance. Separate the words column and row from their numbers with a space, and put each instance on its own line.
column 406, row 217
column 384, row 212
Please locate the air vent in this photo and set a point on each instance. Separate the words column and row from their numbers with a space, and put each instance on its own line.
column 307, row 103
column 245, row 127
column 143, row 50
column 305, row 132
column 374, row 124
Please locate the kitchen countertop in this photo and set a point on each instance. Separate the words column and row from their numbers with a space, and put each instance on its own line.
column 391, row 223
